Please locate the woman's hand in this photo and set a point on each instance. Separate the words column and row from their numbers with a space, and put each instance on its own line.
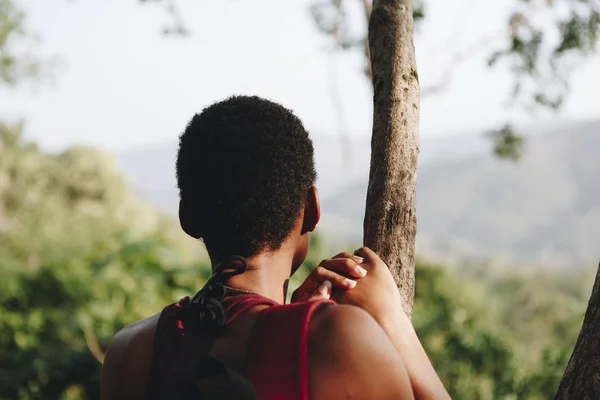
column 377, row 293
column 340, row 272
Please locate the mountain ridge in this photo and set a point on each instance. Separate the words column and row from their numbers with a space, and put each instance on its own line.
column 542, row 210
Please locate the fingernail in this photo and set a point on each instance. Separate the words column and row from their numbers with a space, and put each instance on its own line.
column 350, row 283
column 326, row 287
column 358, row 259
column 361, row 271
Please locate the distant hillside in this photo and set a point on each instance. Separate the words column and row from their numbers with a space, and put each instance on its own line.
column 544, row 210
column 151, row 168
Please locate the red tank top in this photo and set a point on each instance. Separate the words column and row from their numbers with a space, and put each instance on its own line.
column 276, row 354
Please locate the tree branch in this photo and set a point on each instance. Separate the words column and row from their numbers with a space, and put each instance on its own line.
column 582, row 377
column 338, row 104
column 457, row 58
column 368, row 7
column 92, row 343
column 177, row 26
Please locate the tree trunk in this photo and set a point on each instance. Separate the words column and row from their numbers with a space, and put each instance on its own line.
column 390, row 222
column 582, row 377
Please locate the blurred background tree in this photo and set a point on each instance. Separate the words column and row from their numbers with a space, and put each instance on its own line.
column 81, row 257
column 14, row 65
column 544, row 43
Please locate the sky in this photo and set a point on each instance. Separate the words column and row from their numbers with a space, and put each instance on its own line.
column 121, row 84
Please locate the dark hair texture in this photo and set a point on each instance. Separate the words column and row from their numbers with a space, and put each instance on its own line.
column 244, row 166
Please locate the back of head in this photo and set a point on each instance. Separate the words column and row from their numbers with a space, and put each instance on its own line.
column 243, row 169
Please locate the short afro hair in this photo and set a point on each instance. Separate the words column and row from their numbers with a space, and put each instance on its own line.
column 244, row 166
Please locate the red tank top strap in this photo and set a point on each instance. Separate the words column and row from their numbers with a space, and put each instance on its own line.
column 277, row 352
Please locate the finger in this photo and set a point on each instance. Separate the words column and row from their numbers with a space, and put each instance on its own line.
column 323, row 292
column 366, row 253
column 337, row 271
column 322, row 274
column 344, row 266
column 347, row 266
column 311, row 283
column 345, row 254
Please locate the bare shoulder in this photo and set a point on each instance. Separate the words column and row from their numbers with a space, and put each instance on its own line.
column 337, row 316
column 333, row 328
column 350, row 357
column 128, row 359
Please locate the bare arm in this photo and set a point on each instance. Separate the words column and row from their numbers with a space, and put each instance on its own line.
column 350, row 357
column 127, row 362
column 424, row 380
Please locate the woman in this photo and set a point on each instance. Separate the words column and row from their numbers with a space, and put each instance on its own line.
column 246, row 175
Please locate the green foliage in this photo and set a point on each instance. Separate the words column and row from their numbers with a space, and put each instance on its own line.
column 541, row 65
column 503, row 336
column 56, row 316
column 418, row 11
column 82, row 257
column 472, row 360
column 508, row 144
column 16, row 64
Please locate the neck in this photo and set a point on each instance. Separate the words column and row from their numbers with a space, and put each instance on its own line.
column 268, row 275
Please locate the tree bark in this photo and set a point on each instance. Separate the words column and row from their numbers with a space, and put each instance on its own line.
column 582, row 377
column 390, row 224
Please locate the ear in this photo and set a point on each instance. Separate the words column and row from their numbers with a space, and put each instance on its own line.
column 189, row 220
column 312, row 210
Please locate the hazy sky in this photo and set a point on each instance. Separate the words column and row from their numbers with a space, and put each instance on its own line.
column 121, row 83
